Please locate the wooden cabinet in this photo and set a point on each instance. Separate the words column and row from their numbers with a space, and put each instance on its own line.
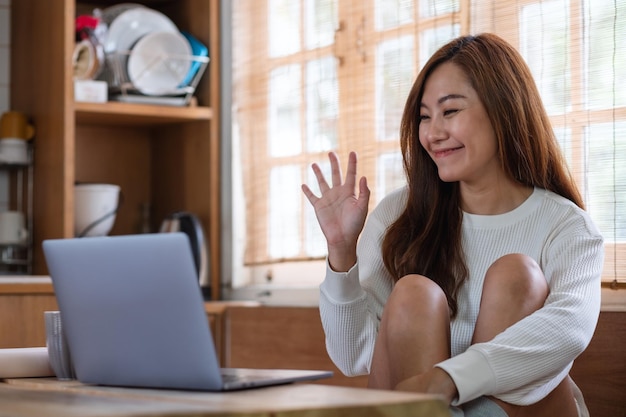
column 165, row 156
column 600, row 371
column 279, row 337
column 22, row 304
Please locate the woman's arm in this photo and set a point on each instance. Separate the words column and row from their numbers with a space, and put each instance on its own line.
column 351, row 303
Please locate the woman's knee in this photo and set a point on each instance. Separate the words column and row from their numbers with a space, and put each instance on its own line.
column 417, row 292
column 514, row 288
column 414, row 332
column 516, row 277
column 414, row 298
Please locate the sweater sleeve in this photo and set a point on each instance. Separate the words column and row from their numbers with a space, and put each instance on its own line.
column 529, row 359
column 351, row 303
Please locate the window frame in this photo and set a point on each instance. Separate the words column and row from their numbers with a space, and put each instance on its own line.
column 576, row 119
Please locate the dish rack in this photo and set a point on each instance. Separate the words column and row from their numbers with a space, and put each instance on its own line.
column 122, row 88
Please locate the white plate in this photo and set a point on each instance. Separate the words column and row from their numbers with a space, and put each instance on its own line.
column 133, row 24
column 159, row 62
column 111, row 13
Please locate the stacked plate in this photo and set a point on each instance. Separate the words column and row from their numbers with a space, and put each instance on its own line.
column 144, row 47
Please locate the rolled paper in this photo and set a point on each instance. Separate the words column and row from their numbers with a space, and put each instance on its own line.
column 25, row 363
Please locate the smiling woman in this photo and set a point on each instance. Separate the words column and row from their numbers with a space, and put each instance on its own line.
column 485, row 262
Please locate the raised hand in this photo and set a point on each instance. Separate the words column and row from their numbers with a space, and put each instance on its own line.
column 340, row 213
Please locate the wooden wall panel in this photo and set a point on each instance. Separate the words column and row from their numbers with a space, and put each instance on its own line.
column 600, row 371
column 280, row 337
column 21, row 319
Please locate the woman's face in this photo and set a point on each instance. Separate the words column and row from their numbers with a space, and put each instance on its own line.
column 455, row 129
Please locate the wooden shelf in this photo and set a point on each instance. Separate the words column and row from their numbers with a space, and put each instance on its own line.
column 115, row 113
column 167, row 156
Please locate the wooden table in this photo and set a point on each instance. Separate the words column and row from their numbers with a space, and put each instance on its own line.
column 36, row 397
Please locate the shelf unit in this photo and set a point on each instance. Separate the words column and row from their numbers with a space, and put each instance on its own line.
column 161, row 155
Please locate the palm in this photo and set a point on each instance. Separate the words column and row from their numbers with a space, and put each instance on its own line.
column 340, row 213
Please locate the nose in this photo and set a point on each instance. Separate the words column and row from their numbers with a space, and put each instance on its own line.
column 433, row 130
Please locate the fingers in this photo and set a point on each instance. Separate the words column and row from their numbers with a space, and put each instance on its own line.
column 364, row 193
column 309, row 194
column 321, row 181
column 351, row 171
column 335, row 173
column 350, row 180
column 335, row 168
column 336, row 178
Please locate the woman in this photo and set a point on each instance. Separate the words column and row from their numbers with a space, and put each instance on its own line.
column 479, row 281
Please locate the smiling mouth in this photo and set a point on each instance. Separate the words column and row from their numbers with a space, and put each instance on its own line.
column 445, row 152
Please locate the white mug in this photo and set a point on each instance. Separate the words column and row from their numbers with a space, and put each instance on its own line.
column 12, row 228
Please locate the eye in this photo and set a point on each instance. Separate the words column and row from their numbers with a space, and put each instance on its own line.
column 450, row 112
column 423, row 117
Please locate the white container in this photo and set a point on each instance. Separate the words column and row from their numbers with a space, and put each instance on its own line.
column 13, row 229
column 95, row 207
column 90, row 91
column 13, row 151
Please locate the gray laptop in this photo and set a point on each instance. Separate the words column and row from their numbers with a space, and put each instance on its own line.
column 134, row 316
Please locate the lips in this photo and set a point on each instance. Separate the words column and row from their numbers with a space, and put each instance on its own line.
column 442, row 153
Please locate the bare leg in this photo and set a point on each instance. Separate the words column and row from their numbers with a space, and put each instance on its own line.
column 414, row 332
column 514, row 288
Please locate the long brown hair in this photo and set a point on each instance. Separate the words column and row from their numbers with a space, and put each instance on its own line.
column 426, row 238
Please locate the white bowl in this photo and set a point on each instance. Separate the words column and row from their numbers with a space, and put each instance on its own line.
column 95, row 207
column 159, row 63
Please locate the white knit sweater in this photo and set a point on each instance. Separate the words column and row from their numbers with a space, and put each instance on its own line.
column 525, row 362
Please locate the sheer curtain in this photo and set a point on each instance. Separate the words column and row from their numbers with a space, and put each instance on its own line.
column 311, row 76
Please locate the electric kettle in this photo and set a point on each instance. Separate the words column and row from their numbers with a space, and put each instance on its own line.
column 188, row 223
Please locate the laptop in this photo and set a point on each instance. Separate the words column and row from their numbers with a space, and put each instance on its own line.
column 133, row 315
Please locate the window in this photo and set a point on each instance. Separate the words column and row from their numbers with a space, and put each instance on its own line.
column 577, row 65
column 311, row 76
